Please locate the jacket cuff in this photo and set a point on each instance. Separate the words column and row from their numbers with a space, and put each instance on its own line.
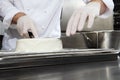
column 8, row 18
column 109, row 10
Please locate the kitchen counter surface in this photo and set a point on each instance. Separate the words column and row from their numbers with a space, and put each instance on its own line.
column 107, row 70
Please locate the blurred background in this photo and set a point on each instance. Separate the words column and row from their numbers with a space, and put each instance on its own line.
column 117, row 15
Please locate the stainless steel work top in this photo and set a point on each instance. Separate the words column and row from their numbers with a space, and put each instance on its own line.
column 105, row 70
column 108, row 70
column 10, row 60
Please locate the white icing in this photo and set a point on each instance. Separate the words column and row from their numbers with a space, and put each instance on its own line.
column 39, row 45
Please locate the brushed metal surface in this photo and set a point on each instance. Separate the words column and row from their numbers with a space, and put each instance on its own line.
column 10, row 60
column 88, row 71
column 75, row 41
column 103, row 39
column 109, row 40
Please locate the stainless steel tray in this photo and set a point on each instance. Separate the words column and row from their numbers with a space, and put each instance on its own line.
column 10, row 60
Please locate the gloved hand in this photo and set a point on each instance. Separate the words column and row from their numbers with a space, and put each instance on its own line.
column 25, row 25
column 80, row 16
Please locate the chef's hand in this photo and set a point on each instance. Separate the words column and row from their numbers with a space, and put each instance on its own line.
column 80, row 16
column 25, row 25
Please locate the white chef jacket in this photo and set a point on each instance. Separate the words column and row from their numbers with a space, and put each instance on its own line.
column 44, row 13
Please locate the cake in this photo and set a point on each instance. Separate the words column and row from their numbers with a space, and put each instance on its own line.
column 38, row 45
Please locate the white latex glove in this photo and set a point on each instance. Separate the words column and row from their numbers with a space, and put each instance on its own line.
column 25, row 24
column 80, row 16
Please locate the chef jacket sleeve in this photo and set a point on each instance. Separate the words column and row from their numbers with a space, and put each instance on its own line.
column 109, row 10
column 7, row 11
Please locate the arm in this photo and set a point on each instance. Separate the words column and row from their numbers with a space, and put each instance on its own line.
column 7, row 11
column 12, row 15
column 88, row 13
column 102, row 4
column 24, row 25
column 107, row 7
column 17, row 16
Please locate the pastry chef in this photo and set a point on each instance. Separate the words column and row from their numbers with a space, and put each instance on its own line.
column 42, row 18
